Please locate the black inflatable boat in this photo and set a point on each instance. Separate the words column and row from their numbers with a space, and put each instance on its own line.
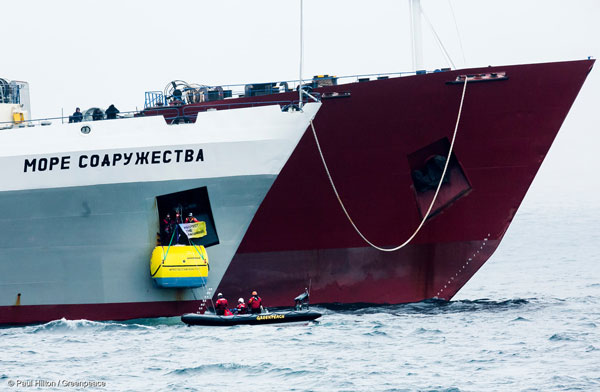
column 250, row 319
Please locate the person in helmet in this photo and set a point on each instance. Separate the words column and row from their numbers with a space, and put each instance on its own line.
column 255, row 303
column 241, row 307
column 191, row 219
column 221, row 305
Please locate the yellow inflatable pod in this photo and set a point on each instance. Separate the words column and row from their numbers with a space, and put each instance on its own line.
column 179, row 266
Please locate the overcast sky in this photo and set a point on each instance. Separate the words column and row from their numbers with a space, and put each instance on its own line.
column 94, row 53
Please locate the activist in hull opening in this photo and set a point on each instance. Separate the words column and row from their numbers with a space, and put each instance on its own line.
column 187, row 228
column 186, row 218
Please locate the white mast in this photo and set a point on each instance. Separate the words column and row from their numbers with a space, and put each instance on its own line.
column 301, row 54
column 415, row 29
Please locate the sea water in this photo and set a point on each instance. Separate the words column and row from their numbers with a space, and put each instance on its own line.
column 528, row 321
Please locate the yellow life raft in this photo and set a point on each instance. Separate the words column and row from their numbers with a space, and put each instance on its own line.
column 179, row 266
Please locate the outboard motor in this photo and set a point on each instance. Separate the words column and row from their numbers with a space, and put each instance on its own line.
column 302, row 300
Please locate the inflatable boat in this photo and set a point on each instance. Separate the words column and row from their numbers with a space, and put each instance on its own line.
column 250, row 319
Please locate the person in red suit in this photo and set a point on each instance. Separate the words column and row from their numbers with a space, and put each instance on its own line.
column 241, row 308
column 191, row 218
column 255, row 303
column 166, row 230
column 221, row 305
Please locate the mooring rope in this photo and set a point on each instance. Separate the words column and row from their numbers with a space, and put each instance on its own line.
column 166, row 254
column 434, row 196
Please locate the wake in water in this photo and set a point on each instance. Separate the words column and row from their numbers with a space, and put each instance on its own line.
column 427, row 307
column 432, row 306
column 64, row 326
column 437, row 306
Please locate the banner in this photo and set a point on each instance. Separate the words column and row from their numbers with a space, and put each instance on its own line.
column 194, row 230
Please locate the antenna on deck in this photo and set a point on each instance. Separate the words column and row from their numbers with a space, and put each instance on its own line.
column 416, row 34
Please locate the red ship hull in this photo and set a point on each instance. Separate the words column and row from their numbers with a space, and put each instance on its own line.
column 374, row 135
column 300, row 235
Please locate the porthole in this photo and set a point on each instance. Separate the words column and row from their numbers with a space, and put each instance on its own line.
column 86, row 129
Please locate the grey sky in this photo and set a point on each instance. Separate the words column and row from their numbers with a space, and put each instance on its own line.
column 94, row 53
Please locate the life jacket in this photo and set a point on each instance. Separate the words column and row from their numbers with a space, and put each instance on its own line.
column 227, row 312
column 221, row 304
column 255, row 302
column 191, row 220
column 242, row 308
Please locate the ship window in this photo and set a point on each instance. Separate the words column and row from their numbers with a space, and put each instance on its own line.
column 195, row 201
column 426, row 167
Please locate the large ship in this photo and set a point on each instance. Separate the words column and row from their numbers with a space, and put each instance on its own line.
column 77, row 240
column 82, row 203
column 384, row 139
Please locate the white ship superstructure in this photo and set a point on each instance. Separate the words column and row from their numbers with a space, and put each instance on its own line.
column 81, row 203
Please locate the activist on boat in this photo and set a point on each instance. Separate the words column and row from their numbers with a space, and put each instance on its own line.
column 223, row 316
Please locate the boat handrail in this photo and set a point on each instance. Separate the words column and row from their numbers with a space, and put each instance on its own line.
column 238, row 90
column 356, row 77
column 65, row 119
column 185, row 113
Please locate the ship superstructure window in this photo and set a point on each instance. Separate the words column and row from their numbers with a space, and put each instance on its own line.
column 426, row 167
column 194, row 201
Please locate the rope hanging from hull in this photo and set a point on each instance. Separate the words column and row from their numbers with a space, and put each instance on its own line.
column 432, row 200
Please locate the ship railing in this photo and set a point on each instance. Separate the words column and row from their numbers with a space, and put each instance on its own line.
column 154, row 99
column 172, row 114
column 44, row 121
column 242, row 90
column 188, row 114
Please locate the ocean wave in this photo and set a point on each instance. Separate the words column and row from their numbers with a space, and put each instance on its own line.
column 430, row 306
column 574, row 383
column 154, row 322
column 287, row 372
column 566, row 337
column 264, row 368
column 375, row 333
column 64, row 325
column 218, row 367
column 398, row 390
column 421, row 330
